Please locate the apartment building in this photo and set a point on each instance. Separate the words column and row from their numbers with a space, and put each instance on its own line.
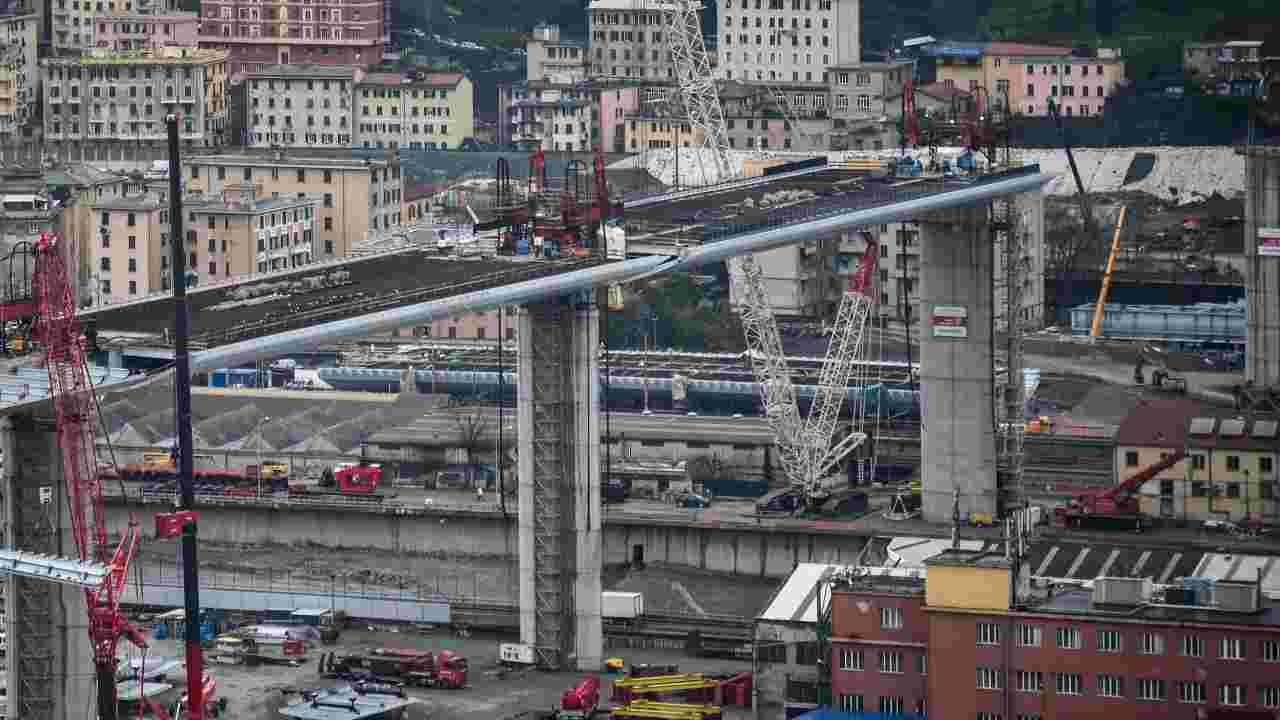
column 19, row 76
column 1223, row 61
column 786, row 41
column 791, row 117
column 628, row 40
column 241, row 231
column 129, row 247
column 95, row 103
column 1229, row 472
column 355, row 198
column 551, row 116
column 866, row 104
column 1028, row 76
column 973, row 635
column 426, row 111
column 295, row 106
column 134, row 31
column 257, row 35
column 552, row 59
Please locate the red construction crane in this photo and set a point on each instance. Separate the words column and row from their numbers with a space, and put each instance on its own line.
column 1115, row 506
column 58, row 330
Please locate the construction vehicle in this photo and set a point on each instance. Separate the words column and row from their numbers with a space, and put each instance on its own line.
column 1115, row 507
column 418, row 668
column 580, row 701
column 357, row 478
column 1161, row 377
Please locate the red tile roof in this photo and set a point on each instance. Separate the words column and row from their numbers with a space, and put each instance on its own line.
column 1162, row 422
column 440, row 79
column 1012, row 48
column 941, row 91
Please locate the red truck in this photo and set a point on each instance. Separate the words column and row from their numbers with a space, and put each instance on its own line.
column 420, row 668
column 580, row 701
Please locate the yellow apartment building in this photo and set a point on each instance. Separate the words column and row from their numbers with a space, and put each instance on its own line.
column 641, row 133
column 354, row 198
column 425, row 111
column 240, row 232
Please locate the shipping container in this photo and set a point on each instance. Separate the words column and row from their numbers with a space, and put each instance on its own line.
column 516, row 654
column 735, row 487
column 621, row 605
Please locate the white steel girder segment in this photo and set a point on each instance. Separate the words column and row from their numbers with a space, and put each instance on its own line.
column 698, row 87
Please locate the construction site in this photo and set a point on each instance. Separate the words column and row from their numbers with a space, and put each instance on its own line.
column 293, row 497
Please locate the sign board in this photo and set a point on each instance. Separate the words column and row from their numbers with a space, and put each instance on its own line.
column 1269, row 242
column 950, row 321
column 46, row 494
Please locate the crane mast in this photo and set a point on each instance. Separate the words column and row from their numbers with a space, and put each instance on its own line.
column 697, row 88
column 75, row 406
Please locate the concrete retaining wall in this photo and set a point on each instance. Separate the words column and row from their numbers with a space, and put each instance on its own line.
column 764, row 553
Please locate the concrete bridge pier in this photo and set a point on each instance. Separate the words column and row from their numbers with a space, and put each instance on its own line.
column 1262, row 276
column 50, row 661
column 956, row 304
column 558, row 416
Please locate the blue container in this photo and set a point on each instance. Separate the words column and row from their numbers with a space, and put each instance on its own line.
column 207, row 632
column 522, row 247
column 161, row 631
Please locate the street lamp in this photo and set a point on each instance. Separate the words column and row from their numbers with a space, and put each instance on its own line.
column 261, row 422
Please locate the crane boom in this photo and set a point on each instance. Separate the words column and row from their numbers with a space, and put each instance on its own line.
column 698, row 91
column 75, row 406
column 1100, row 308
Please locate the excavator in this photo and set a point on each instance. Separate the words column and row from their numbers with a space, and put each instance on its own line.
column 1115, row 508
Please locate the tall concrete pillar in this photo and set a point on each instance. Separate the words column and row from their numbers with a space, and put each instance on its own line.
column 50, row 660
column 1262, row 270
column 958, row 439
column 558, row 416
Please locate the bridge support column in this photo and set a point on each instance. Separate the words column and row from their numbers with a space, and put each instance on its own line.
column 50, row 661
column 559, row 488
column 958, row 440
column 1262, row 273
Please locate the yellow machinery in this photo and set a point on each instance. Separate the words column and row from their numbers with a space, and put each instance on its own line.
column 658, row 684
column 1100, row 307
column 614, row 664
column 645, row 710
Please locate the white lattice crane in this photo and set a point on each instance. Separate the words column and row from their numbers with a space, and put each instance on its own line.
column 806, row 448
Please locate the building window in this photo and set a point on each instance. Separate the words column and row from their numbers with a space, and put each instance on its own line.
column 1233, row 463
column 1068, row 638
column 1264, row 465
column 1231, row 649
column 850, row 703
column 328, row 177
column 1151, row 644
column 328, row 200
column 1030, row 681
column 850, row 659
column 1070, row 683
column 1192, row 692
column 133, row 265
column 1030, row 716
column 1151, row 689
column 105, row 264
column 891, row 662
column 989, row 679
column 988, row 634
column 988, row 716
column 132, row 220
column 1269, row 697
column 1110, row 686
column 1109, row 641
column 133, row 287
column 1192, row 646
column 1029, row 635
column 1131, row 458
column 891, row 618
column 1270, row 651
column 213, row 268
column 892, row 704
column 1233, row 695
column 133, row 242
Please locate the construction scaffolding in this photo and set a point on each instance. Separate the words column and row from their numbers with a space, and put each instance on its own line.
column 1012, row 262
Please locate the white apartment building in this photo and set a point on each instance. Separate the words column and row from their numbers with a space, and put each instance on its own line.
column 786, row 41
column 428, row 111
column 296, row 106
column 553, row 117
column 100, row 102
column 628, row 40
column 74, row 22
column 551, row 59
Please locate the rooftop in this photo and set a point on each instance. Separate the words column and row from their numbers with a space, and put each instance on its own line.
column 1013, row 48
column 231, row 204
column 962, row 557
column 874, row 66
column 628, row 5
column 305, row 72
column 79, row 175
column 1162, row 422
column 1081, row 602
column 426, row 79
column 268, row 159
column 159, row 56
column 129, row 202
column 1233, row 433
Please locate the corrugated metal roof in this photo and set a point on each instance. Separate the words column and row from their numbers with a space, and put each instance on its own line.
column 797, row 599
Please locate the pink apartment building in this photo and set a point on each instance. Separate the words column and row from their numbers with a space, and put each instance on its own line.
column 474, row 327
column 281, row 32
column 140, row 32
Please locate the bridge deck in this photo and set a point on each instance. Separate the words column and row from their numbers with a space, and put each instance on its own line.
column 376, row 283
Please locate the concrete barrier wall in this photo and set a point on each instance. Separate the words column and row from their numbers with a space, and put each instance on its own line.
column 766, row 552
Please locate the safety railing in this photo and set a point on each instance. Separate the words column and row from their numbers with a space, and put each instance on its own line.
column 390, row 506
